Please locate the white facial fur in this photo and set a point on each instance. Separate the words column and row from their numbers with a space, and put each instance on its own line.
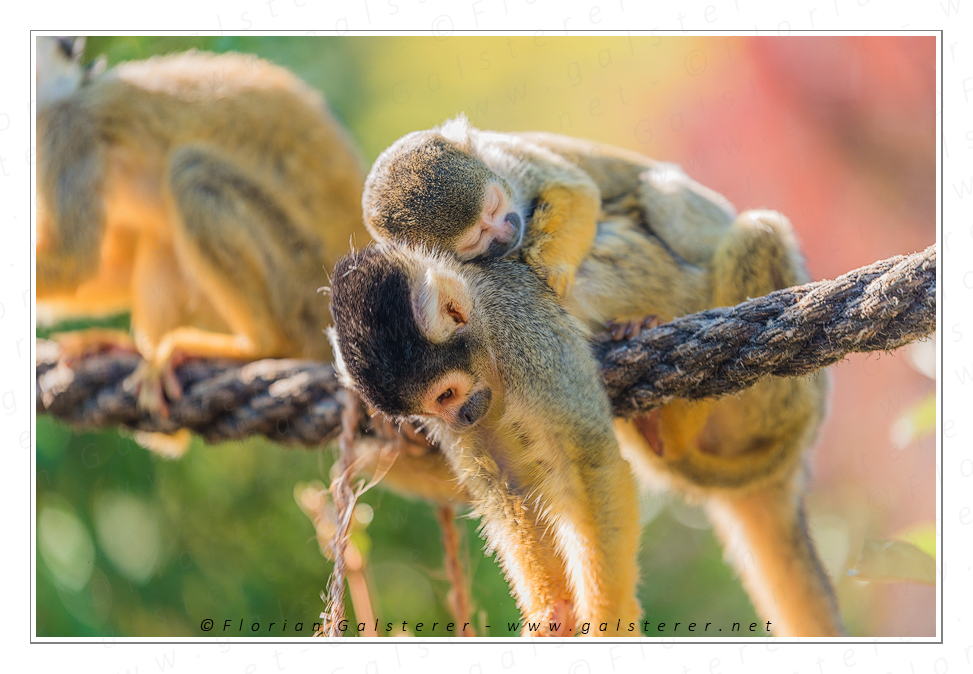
column 57, row 75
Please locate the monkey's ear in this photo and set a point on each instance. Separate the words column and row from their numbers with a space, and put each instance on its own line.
column 73, row 47
column 442, row 304
column 457, row 130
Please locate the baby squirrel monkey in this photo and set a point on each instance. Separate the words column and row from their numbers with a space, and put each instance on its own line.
column 484, row 194
column 207, row 194
column 667, row 246
column 484, row 357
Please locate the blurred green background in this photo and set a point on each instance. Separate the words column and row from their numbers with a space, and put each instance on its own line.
column 836, row 132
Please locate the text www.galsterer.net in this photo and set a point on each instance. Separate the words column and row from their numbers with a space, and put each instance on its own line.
column 645, row 628
column 403, row 628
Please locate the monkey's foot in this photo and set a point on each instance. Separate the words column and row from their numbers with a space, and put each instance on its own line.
column 630, row 329
column 77, row 344
column 154, row 381
column 166, row 445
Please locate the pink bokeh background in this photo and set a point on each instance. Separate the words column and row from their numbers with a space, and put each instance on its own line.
column 857, row 116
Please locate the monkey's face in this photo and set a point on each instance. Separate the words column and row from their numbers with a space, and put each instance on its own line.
column 433, row 189
column 59, row 71
column 499, row 229
column 406, row 336
column 425, row 189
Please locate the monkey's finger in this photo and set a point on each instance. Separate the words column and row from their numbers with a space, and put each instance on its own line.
column 133, row 382
column 647, row 323
column 146, row 384
column 170, row 384
column 631, row 329
column 617, row 330
column 151, row 397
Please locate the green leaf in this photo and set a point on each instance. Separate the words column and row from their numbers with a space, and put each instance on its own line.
column 923, row 536
column 894, row 562
column 918, row 420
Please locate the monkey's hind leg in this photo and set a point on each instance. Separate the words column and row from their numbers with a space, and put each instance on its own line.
column 760, row 441
column 758, row 254
column 77, row 344
column 765, row 536
column 248, row 275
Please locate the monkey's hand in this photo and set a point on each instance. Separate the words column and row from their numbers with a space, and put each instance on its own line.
column 559, row 622
column 561, row 231
column 629, row 329
column 154, row 380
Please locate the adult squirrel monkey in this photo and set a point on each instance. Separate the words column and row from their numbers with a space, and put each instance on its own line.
column 665, row 246
column 207, row 194
column 504, row 380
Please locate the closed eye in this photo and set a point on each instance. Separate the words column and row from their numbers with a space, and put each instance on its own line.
column 469, row 246
column 493, row 202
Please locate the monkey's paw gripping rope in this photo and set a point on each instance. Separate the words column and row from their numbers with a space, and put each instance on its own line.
column 790, row 332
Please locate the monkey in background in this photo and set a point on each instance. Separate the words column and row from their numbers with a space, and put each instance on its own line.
column 207, row 194
column 665, row 247
column 504, row 380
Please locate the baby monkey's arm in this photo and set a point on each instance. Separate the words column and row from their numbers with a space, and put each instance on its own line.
column 564, row 199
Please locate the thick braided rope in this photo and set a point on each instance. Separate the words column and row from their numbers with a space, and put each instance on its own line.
column 790, row 332
column 787, row 333
column 291, row 402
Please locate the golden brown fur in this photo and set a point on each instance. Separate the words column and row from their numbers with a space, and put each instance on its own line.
column 207, row 194
column 505, row 381
column 667, row 246
column 433, row 187
column 741, row 452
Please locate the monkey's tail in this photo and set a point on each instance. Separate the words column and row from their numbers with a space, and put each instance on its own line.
column 765, row 535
